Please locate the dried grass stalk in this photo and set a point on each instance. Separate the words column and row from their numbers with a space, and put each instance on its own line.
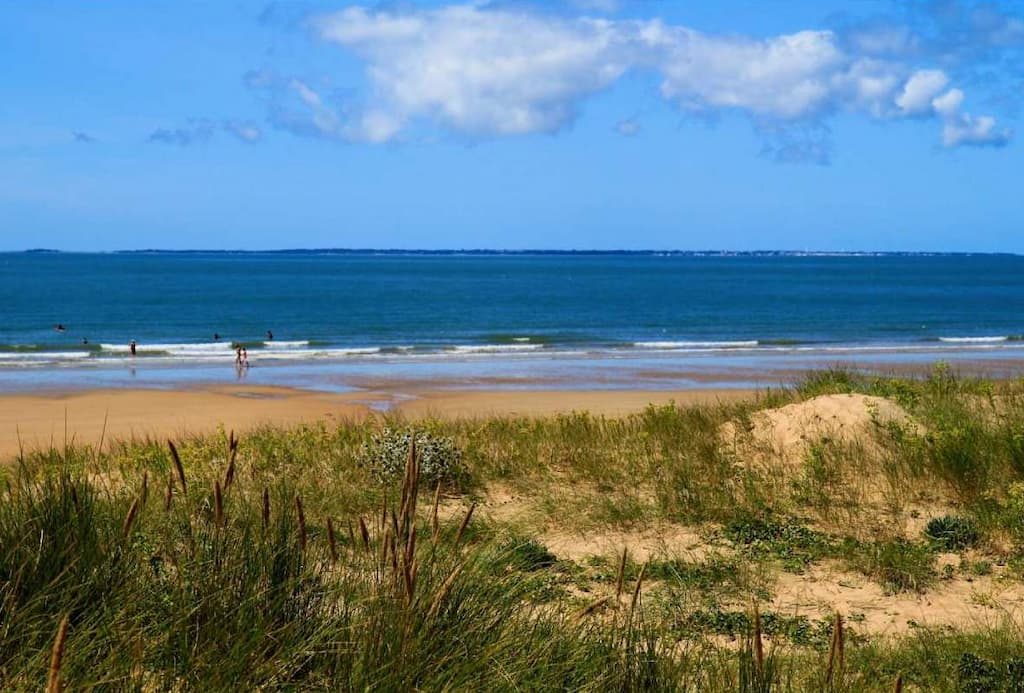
column 129, row 519
column 332, row 541
column 442, row 591
column 364, row 533
column 639, row 586
column 620, row 580
column 592, row 607
column 53, row 683
column 835, row 651
column 177, row 466
column 465, row 523
column 758, row 642
column 300, row 513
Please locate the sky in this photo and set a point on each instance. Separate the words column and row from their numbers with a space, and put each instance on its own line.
column 516, row 124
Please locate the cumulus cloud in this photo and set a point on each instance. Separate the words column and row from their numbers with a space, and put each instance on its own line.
column 199, row 130
column 490, row 71
column 982, row 131
column 948, row 104
column 920, row 90
column 476, row 71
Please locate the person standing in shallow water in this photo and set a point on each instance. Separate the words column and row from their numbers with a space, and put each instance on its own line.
column 270, row 336
column 132, row 346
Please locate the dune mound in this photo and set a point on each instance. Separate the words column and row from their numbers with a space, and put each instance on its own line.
column 787, row 433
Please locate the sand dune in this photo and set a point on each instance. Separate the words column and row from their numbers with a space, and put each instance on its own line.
column 788, row 432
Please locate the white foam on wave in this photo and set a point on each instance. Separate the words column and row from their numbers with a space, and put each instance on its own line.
column 201, row 348
column 37, row 356
column 887, row 348
column 493, row 348
column 297, row 354
column 297, row 344
column 697, row 345
column 974, row 340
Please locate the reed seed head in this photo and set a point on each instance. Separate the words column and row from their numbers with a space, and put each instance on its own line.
column 176, row 458
column 53, row 683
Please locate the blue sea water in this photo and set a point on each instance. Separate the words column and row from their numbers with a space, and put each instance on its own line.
column 367, row 307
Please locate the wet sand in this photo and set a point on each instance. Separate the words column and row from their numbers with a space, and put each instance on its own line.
column 33, row 421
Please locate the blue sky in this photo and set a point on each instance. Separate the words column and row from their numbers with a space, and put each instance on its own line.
column 512, row 124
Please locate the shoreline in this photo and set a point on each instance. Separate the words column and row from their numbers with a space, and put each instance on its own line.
column 655, row 370
column 36, row 414
column 34, row 421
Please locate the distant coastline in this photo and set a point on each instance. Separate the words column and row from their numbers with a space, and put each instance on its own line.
column 527, row 252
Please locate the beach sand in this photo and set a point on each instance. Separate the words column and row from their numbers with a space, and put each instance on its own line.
column 35, row 421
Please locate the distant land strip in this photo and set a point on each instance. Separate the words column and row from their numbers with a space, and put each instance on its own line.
column 498, row 251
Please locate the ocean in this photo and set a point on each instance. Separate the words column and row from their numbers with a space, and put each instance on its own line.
column 356, row 309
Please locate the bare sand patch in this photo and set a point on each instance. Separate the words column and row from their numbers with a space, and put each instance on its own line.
column 659, row 539
column 825, row 589
column 788, row 433
column 41, row 421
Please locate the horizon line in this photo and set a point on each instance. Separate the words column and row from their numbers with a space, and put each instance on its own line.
column 507, row 251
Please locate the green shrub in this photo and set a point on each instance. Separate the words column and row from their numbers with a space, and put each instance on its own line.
column 1012, row 511
column 526, row 554
column 715, row 572
column 952, row 532
column 898, row 565
column 386, row 453
column 787, row 539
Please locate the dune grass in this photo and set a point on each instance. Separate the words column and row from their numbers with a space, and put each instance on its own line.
column 284, row 561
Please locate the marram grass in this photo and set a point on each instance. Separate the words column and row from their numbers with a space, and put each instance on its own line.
column 280, row 562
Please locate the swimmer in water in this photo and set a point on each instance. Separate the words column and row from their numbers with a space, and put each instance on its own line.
column 216, row 336
column 59, row 327
column 270, row 336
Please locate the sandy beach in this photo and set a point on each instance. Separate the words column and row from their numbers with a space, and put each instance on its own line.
column 36, row 421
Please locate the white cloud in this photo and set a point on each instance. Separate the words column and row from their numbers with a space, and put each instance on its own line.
column 481, row 72
column 948, row 104
column 323, row 118
column 981, row 131
column 919, row 91
column 882, row 39
column 786, row 77
column 487, row 72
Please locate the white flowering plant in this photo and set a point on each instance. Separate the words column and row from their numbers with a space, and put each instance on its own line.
column 386, row 453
